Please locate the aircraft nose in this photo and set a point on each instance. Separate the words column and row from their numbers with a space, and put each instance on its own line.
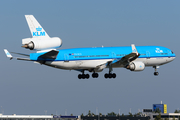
column 174, row 57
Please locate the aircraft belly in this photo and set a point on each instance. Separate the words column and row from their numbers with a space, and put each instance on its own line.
column 89, row 64
column 63, row 65
column 84, row 64
column 157, row 61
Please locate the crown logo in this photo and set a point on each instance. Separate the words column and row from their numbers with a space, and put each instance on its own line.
column 38, row 29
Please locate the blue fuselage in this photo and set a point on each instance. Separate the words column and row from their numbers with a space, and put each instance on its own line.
column 98, row 53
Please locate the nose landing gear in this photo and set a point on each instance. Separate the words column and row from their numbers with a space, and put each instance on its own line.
column 156, row 73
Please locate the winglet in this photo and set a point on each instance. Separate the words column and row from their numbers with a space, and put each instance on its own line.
column 8, row 54
column 134, row 50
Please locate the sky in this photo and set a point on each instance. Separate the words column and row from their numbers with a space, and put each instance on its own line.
column 27, row 88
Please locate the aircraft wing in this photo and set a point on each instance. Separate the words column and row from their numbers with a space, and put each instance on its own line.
column 122, row 61
column 128, row 58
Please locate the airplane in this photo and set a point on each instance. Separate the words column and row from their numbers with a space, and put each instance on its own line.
column 94, row 59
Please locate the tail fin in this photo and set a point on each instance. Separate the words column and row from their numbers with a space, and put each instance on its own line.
column 36, row 29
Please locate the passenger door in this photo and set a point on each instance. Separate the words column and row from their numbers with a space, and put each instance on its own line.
column 66, row 58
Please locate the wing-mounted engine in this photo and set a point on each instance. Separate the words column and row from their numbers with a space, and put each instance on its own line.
column 136, row 66
column 41, row 44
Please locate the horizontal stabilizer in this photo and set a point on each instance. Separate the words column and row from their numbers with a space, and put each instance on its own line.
column 20, row 54
column 50, row 55
column 8, row 54
column 26, row 59
column 11, row 57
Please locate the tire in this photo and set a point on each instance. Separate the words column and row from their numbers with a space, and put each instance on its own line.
column 110, row 75
column 87, row 76
column 96, row 75
column 83, row 76
column 114, row 75
column 156, row 73
column 106, row 75
column 93, row 75
column 79, row 76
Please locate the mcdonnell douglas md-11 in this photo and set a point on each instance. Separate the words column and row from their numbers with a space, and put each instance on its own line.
column 90, row 59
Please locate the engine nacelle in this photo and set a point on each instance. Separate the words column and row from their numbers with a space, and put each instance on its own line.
column 136, row 66
column 41, row 44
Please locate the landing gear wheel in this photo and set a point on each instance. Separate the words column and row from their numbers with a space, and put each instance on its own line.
column 114, row 75
column 83, row 76
column 87, row 76
column 156, row 73
column 155, row 68
column 106, row 75
column 110, row 75
column 79, row 76
column 95, row 75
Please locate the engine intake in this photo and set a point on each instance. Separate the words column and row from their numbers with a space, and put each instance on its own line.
column 136, row 66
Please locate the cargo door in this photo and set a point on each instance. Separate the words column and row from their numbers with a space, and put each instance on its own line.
column 148, row 54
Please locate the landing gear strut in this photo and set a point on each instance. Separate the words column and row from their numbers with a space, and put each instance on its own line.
column 110, row 75
column 156, row 73
column 83, row 76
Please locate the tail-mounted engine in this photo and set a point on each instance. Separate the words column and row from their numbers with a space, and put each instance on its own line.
column 41, row 44
column 136, row 66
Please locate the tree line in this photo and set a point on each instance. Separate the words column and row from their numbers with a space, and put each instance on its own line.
column 112, row 114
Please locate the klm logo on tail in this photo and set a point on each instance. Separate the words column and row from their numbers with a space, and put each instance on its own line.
column 39, row 32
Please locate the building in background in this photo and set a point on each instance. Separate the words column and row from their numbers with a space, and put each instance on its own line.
column 161, row 107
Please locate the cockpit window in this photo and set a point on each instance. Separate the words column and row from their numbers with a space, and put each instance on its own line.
column 172, row 52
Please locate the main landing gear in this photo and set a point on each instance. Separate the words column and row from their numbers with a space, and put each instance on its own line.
column 86, row 76
column 156, row 73
column 83, row 76
column 110, row 75
column 95, row 75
